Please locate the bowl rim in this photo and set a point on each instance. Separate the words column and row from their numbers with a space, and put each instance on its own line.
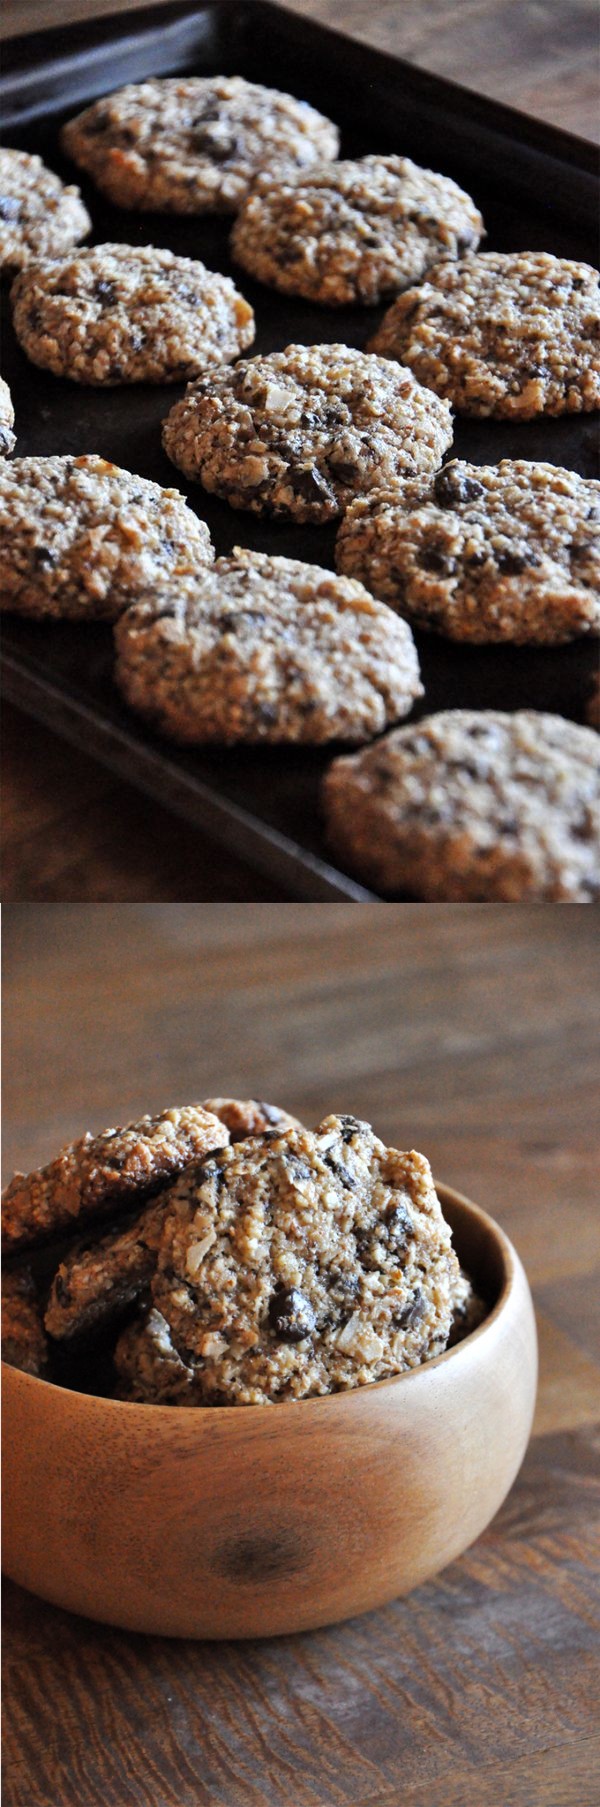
column 510, row 1264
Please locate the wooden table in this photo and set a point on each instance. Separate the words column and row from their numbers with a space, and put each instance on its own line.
column 470, row 1034
column 70, row 828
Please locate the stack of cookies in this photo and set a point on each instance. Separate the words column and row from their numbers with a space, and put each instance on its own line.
column 222, row 1254
column 256, row 648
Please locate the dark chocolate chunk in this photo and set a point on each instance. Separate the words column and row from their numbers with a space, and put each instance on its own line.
column 410, row 1313
column 291, row 1316
column 451, row 487
column 312, row 485
column 515, row 560
column 105, row 292
column 432, row 558
column 43, row 556
column 400, row 1225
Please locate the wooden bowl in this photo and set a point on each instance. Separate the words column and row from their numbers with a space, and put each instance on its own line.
column 251, row 1521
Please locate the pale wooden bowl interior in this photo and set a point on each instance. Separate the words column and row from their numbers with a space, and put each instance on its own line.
column 261, row 1520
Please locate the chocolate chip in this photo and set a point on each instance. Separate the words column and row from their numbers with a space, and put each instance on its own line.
column 61, row 1290
column 105, row 292
column 400, row 1225
column 270, row 1112
column 341, row 1172
column 291, row 1316
column 298, row 1170
column 342, row 472
column 312, row 485
column 411, row 1313
column 580, row 549
column 350, row 1126
column 451, row 487
column 433, row 559
column 10, row 208
column 43, row 556
column 515, row 560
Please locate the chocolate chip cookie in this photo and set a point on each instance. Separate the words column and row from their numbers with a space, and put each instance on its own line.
column 80, row 538
column 304, row 1263
column 23, row 1342
column 353, row 231
column 483, row 552
column 39, row 217
column 473, row 807
column 128, row 314
column 107, row 1173
column 7, row 420
column 193, row 144
column 506, row 333
column 266, row 649
column 300, row 432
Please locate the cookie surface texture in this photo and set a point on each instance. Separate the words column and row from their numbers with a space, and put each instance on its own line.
column 473, row 806
column 39, row 217
column 117, row 314
column 80, row 538
column 483, row 552
column 300, row 432
column 513, row 334
column 194, row 144
column 353, row 231
column 266, row 649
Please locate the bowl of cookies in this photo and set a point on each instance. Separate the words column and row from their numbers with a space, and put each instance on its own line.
column 257, row 1378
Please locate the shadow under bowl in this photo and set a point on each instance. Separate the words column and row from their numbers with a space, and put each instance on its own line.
column 255, row 1521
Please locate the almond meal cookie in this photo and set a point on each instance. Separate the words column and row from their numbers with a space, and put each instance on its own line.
column 266, row 649
column 39, row 217
column 483, row 552
column 115, row 314
column 80, row 538
column 7, row 420
column 192, row 144
column 150, row 1370
column 108, row 1173
column 506, row 333
column 353, row 231
column 23, row 1342
column 300, row 432
column 304, row 1263
column 473, row 806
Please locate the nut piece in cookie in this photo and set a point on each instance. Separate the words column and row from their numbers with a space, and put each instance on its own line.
column 353, row 231
column 468, row 1310
column 97, row 1280
column 304, row 1263
column 116, row 314
column 111, row 1172
column 81, row 538
column 193, row 144
column 150, row 1370
column 23, row 1342
column 266, row 649
column 506, row 333
column 473, row 806
column 249, row 1116
column 7, row 420
column 482, row 552
column 300, row 432
column 39, row 217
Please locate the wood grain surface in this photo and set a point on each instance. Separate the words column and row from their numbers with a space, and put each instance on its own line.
column 470, row 1034
column 70, row 828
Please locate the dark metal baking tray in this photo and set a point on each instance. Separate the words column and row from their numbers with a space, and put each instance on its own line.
column 537, row 189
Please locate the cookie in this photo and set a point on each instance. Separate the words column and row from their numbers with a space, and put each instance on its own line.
column 193, row 144
column 249, row 1117
column 97, row 1280
column 300, row 432
column 7, row 420
column 110, row 1172
column 473, row 806
column 506, row 333
column 128, row 314
column 468, row 1309
column 39, row 217
column 304, row 1263
column 354, row 231
column 483, row 552
column 23, row 1342
column 150, row 1370
column 80, row 538
column 266, row 649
